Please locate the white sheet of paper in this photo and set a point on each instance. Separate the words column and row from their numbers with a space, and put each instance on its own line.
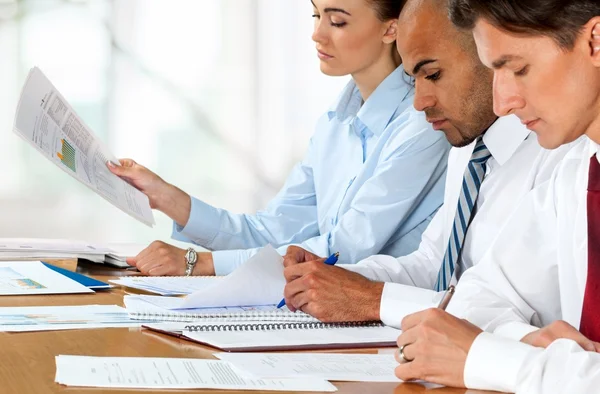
column 259, row 281
column 169, row 373
column 33, row 277
column 49, row 318
column 329, row 366
column 168, row 285
column 47, row 122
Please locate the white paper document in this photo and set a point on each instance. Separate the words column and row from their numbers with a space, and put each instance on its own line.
column 49, row 318
column 33, row 277
column 47, row 122
column 169, row 373
column 40, row 248
column 259, row 281
column 329, row 366
column 168, row 285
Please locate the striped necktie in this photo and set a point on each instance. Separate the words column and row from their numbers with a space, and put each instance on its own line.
column 464, row 212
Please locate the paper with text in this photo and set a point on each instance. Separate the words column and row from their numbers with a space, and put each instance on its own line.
column 47, row 122
column 72, row 317
column 169, row 373
column 329, row 366
column 33, row 277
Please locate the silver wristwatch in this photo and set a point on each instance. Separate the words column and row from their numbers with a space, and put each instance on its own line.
column 190, row 261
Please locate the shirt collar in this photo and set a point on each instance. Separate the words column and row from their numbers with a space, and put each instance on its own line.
column 594, row 148
column 379, row 108
column 504, row 137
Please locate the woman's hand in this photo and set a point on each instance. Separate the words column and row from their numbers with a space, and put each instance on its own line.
column 162, row 259
column 163, row 196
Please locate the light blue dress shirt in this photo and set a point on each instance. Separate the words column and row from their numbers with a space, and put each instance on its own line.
column 370, row 183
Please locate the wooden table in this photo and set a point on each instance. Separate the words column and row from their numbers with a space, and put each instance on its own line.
column 27, row 359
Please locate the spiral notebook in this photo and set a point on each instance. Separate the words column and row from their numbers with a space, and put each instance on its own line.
column 143, row 307
column 265, row 336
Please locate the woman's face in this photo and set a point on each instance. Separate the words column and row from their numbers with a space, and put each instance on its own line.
column 349, row 36
column 554, row 91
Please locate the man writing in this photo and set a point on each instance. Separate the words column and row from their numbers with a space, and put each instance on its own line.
column 495, row 162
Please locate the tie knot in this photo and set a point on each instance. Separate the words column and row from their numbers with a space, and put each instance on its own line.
column 481, row 153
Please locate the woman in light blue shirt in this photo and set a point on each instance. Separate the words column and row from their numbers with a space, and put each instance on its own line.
column 370, row 182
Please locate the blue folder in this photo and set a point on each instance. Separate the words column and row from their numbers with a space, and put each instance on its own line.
column 88, row 282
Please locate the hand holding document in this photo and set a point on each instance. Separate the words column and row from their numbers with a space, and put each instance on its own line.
column 169, row 373
column 47, row 122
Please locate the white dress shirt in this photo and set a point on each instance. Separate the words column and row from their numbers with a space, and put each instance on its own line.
column 534, row 273
column 518, row 164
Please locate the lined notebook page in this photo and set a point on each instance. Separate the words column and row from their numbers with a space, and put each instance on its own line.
column 145, row 307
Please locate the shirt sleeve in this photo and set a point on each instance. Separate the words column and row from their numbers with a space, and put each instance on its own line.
column 289, row 218
column 496, row 363
column 499, row 294
column 397, row 187
column 411, row 172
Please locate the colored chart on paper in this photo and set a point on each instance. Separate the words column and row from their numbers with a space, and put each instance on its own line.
column 67, row 156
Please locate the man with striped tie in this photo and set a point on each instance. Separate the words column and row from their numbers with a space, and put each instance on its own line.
column 495, row 163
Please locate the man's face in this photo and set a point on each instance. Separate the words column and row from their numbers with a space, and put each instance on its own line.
column 554, row 91
column 452, row 87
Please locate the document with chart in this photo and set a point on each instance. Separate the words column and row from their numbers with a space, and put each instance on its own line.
column 47, row 121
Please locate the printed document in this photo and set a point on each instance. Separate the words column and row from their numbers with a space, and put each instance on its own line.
column 40, row 248
column 33, row 277
column 169, row 373
column 330, row 366
column 47, row 122
column 49, row 318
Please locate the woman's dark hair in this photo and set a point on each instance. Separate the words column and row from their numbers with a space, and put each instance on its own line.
column 387, row 9
column 561, row 20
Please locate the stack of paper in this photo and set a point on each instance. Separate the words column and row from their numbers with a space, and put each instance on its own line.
column 261, row 336
column 168, row 285
column 169, row 373
column 38, row 248
column 121, row 251
column 47, row 318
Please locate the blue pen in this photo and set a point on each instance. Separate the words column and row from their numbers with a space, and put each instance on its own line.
column 331, row 260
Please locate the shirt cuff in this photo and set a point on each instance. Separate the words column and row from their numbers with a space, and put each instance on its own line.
column 514, row 330
column 202, row 226
column 398, row 301
column 225, row 261
column 493, row 363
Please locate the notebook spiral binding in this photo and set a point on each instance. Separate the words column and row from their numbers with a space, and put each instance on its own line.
column 236, row 316
column 281, row 326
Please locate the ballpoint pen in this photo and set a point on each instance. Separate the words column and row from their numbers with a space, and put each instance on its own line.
column 331, row 260
column 446, row 298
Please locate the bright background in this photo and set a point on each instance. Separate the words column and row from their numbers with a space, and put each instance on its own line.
column 219, row 97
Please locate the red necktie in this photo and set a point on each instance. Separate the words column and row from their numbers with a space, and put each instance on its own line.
column 590, row 316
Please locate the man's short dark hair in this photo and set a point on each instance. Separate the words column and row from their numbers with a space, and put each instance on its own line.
column 561, row 20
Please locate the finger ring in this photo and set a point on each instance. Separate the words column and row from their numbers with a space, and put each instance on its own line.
column 401, row 352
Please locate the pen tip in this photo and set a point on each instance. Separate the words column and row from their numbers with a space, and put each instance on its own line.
column 337, row 254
